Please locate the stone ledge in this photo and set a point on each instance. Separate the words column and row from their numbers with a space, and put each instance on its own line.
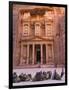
column 37, row 66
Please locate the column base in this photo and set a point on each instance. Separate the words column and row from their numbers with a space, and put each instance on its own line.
column 31, row 66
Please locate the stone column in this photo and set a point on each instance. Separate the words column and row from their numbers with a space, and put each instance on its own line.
column 33, row 53
column 21, row 58
column 52, row 54
column 27, row 54
column 46, row 53
column 41, row 53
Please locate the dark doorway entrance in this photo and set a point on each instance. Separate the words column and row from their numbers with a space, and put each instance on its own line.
column 38, row 58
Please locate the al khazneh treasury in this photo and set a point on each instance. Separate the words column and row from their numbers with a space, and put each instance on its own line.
column 38, row 36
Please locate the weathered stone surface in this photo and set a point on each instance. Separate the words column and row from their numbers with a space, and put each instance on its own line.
column 45, row 26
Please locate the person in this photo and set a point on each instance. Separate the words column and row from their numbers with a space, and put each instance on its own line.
column 62, row 73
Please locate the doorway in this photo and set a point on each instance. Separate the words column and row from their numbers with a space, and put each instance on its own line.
column 38, row 54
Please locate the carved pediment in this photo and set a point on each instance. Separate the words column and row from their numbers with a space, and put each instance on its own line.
column 37, row 38
column 34, row 38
